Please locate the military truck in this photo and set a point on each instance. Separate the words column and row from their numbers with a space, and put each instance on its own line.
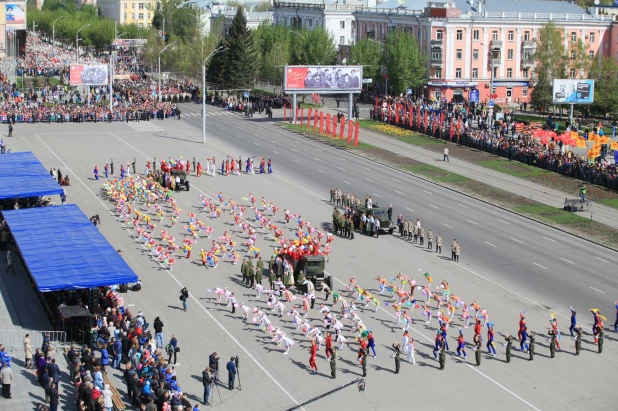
column 183, row 178
column 309, row 267
column 377, row 212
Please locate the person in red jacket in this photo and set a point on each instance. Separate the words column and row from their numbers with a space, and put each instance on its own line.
column 477, row 327
column 314, row 352
column 329, row 345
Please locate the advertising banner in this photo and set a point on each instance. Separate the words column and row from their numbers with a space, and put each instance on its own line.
column 323, row 79
column 573, row 91
column 15, row 14
column 88, row 74
column 129, row 42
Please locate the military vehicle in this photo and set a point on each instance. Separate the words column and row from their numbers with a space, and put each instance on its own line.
column 377, row 212
column 183, row 178
column 310, row 267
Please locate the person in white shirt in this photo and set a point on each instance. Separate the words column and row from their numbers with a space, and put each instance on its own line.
column 446, row 155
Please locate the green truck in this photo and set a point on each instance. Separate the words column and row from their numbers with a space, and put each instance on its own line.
column 310, row 268
column 380, row 213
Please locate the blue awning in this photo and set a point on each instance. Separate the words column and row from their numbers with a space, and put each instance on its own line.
column 22, row 175
column 63, row 250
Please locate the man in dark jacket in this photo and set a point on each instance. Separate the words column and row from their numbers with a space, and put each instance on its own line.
column 207, row 381
column 213, row 363
column 231, row 376
column 53, row 398
column 158, row 327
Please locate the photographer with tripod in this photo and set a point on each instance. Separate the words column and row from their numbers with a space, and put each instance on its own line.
column 208, row 381
column 213, row 363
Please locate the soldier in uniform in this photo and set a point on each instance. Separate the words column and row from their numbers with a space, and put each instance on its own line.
column 453, row 246
column 364, row 352
column 272, row 272
column 397, row 348
column 406, row 230
column 509, row 344
column 430, row 240
column 351, row 224
column 333, row 363
column 421, row 234
column 260, row 271
column 477, row 349
column 332, row 195
column 600, row 339
column 457, row 251
column 439, row 244
column 552, row 343
column 335, row 220
column 578, row 339
column 531, row 337
column 251, row 275
column 243, row 270
column 442, row 353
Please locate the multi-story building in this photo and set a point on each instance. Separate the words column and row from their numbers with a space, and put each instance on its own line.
column 469, row 42
column 211, row 11
column 138, row 12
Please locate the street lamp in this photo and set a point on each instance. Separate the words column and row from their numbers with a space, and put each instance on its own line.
column 77, row 39
column 171, row 44
column 54, row 29
column 219, row 50
column 111, row 73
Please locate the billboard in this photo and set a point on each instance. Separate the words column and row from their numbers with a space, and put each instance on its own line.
column 88, row 74
column 129, row 42
column 573, row 91
column 323, row 79
column 15, row 14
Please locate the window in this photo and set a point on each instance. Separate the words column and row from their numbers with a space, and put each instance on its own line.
column 509, row 54
column 459, row 34
column 418, row 34
column 525, row 73
column 524, row 92
column 458, row 54
column 283, row 20
column 526, row 36
column 592, row 37
column 141, row 16
column 527, row 55
column 125, row 15
column 458, row 73
column 140, row 25
column 572, row 73
column 475, row 54
column 439, row 73
column 133, row 16
column 148, row 16
column 439, row 34
column 572, row 54
column 342, row 24
column 132, row 5
column 140, row 6
column 509, row 92
column 126, row 5
column 436, row 55
column 494, row 35
column 573, row 37
column 509, row 73
column 495, row 74
column 341, row 39
column 309, row 22
column 591, row 54
column 475, row 73
column 476, row 35
column 511, row 36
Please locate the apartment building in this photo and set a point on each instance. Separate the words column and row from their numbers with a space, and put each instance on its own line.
column 469, row 41
column 138, row 12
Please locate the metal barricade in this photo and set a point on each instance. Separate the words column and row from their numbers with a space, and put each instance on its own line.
column 13, row 340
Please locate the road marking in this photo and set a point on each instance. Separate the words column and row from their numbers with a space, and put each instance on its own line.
column 340, row 158
column 446, row 225
column 599, row 258
column 318, row 149
column 341, row 169
column 321, row 171
column 256, row 144
column 377, row 195
column 297, row 161
column 595, row 289
column 295, row 150
column 570, row 262
column 539, row 265
column 398, row 192
column 298, row 142
column 317, row 159
column 409, row 209
column 428, row 192
column 345, row 182
column 463, row 206
column 502, row 221
column 225, row 330
column 549, row 239
column 130, row 305
column 491, row 244
column 276, row 152
column 394, row 179
column 237, row 135
column 431, row 205
column 274, row 142
column 367, row 168
column 472, row 222
column 368, row 180
column 261, row 128
column 278, row 134
column 514, row 239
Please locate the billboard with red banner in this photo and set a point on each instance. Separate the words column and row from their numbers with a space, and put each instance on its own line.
column 88, row 74
column 323, row 79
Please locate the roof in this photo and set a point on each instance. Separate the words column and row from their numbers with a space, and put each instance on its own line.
column 523, row 6
column 22, row 175
column 63, row 250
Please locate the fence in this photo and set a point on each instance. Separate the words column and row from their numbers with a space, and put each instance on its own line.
column 13, row 340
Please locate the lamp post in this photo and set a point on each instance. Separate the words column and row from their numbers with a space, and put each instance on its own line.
column 77, row 42
column 54, row 29
column 171, row 44
column 111, row 74
column 220, row 49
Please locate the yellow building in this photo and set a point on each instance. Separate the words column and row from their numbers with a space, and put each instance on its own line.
column 138, row 12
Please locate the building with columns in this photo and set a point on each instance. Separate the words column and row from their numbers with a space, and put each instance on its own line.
column 469, row 40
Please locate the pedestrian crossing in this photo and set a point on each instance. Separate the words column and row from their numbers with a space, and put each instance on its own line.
column 145, row 126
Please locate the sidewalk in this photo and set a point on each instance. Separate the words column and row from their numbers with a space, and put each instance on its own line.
column 544, row 195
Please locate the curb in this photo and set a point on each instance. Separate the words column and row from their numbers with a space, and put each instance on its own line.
column 453, row 190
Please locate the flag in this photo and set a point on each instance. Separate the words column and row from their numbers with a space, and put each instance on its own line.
column 451, row 130
column 426, row 119
column 350, row 129
column 397, row 113
column 418, row 118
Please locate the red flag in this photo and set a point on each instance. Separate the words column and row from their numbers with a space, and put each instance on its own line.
column 327, row 124
column 451, row 130
column 302, row 114
column 342, row 128
column 321, row 122
column 309, row 118
column 418, row 118
column 404, row 115
column 458, row 128
column 411, row 112
column 283, row 111
column 350, row 129
column 441, row 122
column 433, row 125
column 334, row 126
column 388, row 107
column 315, row 119
column 356, row 134
column 377, row 105
column 296, row 115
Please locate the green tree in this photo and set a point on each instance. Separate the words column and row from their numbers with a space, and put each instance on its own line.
column 215, row 73
column 405, row 61
column 605, row 74
column 272, row 43
column 551, row 63
column 240, row 54
column 368, row 54
column 312, row 47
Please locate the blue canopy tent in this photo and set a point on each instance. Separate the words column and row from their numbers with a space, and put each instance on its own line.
column 22, row 175
column 63, row 250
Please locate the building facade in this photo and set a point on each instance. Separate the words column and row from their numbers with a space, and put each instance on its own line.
column 138, row 12
column 469, row 43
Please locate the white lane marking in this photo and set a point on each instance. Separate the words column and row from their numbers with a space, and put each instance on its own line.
column 237, row 135
column 428, row 192
column 317, row 159
column 539, row 265
column 274, row 141
column 295, row 150
column 395, row 179
column 491, row 244
column 367, row 168
column 261, row 128
column 514, row 239
column 463, row 206
column 470, row 366
column 409, row 209
column 340, row 158
column 431, row 205
column 596, row 289
column 256, row 144
column 599, row 258
column 570, row 262
column 345, row 182
column 502, row 221
column 278, row 134
column 341, row 169
column 368, row 180
column 242, row 347
column 471, row 222
column 398, row 192
column 130, row 305
column 298, row 142
column 276, row 152
column 321, row 171
column 297, row 161
column 549, row 239
column 318, row 149
column 446, row 225
column 377, row 195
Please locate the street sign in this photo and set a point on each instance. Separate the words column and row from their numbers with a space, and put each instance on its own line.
column 474, row 96
column 409, row 91
column 491, row 103
column 246, row 94
column 367, row 80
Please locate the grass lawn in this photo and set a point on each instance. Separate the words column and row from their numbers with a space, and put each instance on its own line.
column 513, row 168
column 551, row 215
column 435, row 173
column 309, row 105
column 613, row 202
column 329, row 140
